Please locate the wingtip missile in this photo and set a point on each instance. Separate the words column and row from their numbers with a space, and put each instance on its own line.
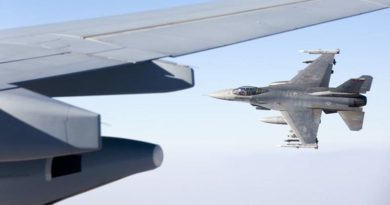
column 320, row 51
column 298, row 146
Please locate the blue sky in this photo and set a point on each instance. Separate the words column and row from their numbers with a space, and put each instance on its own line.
column 220, row 152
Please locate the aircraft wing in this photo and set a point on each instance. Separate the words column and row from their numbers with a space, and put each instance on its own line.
column 304, row 123
column 31, row 57
column 317, row 74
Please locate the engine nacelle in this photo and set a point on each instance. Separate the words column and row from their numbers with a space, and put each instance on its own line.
column 34, row 126
column 61, row 177
column 278, row 120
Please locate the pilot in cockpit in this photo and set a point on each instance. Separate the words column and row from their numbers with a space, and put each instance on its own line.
column 247, row 91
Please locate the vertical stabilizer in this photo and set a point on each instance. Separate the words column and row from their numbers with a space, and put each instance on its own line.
column 353, row 119
column 367, row 83
column 356, row 85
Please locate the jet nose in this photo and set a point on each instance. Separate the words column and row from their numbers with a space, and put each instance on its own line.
column 222, row 95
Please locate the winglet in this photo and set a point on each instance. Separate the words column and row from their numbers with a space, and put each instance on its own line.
column 320, row 51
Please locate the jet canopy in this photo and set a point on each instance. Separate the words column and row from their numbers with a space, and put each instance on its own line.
column 248, row 91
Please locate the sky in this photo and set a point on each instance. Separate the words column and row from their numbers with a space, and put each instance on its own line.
column 219, row 152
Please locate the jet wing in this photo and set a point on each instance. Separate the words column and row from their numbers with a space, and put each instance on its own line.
column 304, row 123
column 317, row 74
column 41, row 52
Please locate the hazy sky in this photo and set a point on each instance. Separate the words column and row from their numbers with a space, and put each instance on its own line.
column 219, row 152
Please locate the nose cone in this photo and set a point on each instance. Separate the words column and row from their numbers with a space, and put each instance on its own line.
column 223, row 95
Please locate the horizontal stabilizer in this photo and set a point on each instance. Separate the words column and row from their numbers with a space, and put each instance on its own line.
column 356, row 85
column 354, row 119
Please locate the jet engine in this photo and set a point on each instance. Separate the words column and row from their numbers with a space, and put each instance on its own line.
column 46, row 181
column 41, row 127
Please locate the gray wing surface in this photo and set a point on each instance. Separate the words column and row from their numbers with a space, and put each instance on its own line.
column 42, row 52
column 317, row 74
column 304, row 123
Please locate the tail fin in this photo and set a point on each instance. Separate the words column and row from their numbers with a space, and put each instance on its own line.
column 354, row 119
column 356, row 85
column 367, row 83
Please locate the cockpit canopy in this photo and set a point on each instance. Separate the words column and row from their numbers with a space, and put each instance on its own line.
column 248, row 91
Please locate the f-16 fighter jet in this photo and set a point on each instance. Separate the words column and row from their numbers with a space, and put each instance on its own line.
column 302, row 100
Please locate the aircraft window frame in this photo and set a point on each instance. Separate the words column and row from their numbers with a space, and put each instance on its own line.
column 248, row 91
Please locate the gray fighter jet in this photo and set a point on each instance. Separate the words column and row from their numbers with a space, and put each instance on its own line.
column 302, row 100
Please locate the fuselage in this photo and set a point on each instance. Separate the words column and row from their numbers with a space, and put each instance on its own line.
column 285, row 97
column 282, row 98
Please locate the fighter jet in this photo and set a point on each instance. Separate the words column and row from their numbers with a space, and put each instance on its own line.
column 302, row 100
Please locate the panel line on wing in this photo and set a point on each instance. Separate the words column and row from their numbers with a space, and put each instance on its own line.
column 108, row 34
column 37, row 57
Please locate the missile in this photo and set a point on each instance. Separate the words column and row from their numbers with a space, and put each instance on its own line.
column 297, row 146
column 278, row 83
column 308, row 61
column 319, row 51
column 279, row 120
column 292, row 140
column 262, row 108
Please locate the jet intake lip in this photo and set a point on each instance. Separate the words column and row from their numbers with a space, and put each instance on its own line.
column 158, row 156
